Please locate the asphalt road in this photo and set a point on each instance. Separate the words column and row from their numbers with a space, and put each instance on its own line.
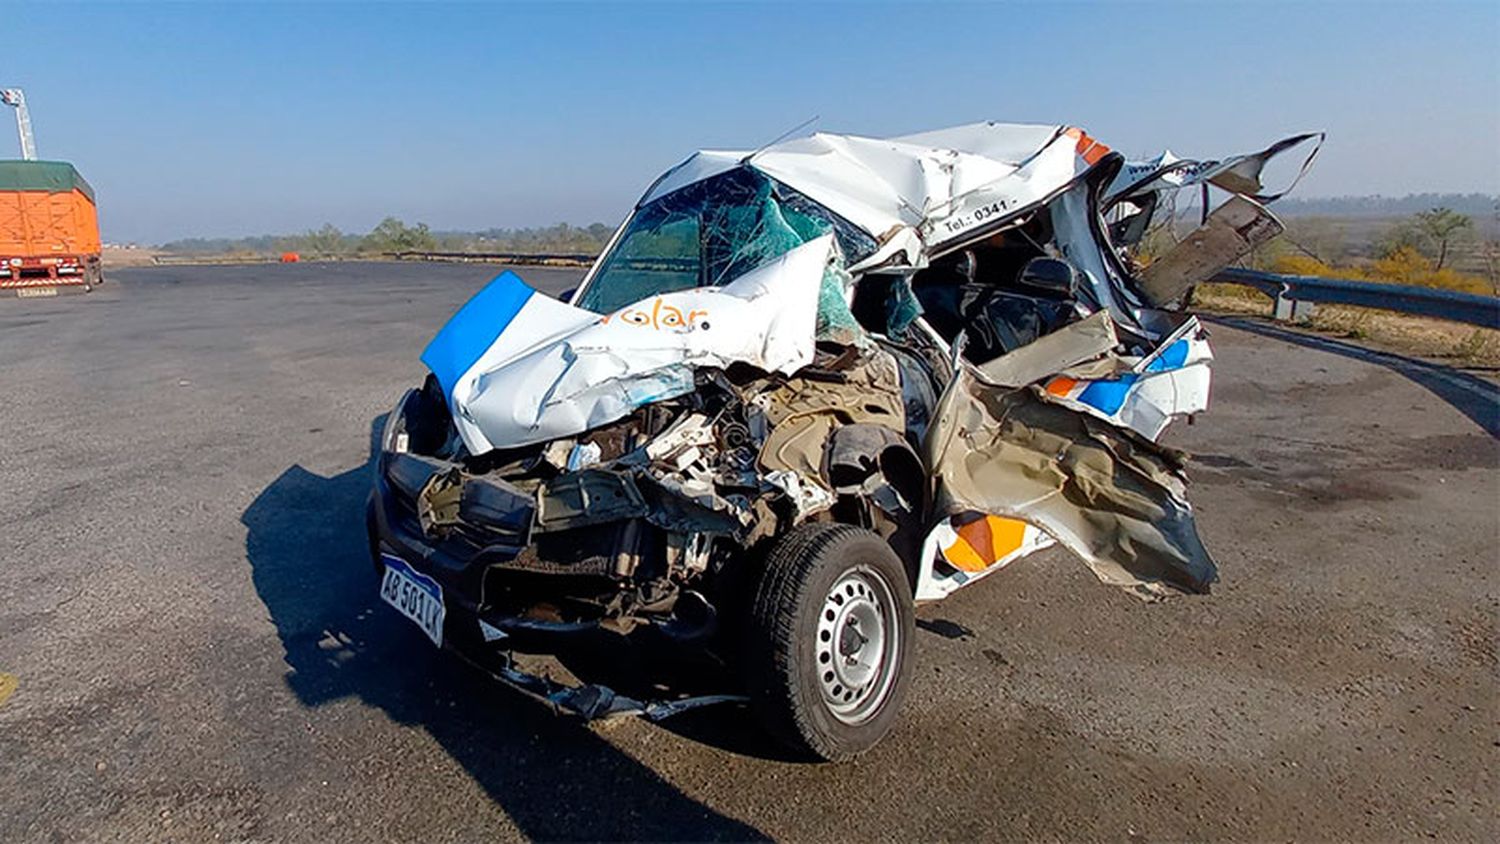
column 189, row 620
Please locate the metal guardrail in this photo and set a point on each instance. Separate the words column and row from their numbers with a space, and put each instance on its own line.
column 1289, row 291
column 518, row 258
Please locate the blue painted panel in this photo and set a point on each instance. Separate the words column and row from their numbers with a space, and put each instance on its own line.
column 465, row 337
column 1173, row 357
column 1107, row 396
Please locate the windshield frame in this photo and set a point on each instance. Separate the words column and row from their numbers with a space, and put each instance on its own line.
column 854, row 242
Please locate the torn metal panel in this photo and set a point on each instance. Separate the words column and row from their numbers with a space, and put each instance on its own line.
column 1109, row 496
column 499, row 508
column 688, row 506
column 803, row 413
column 1073, row 344
column 1239, row 174
column 679, row 446
column 807, row 496
column 588, row 701
column 1230, row 233
column 1077, row 232
column 971, row 546
column 587, row 497
column 1144, row 393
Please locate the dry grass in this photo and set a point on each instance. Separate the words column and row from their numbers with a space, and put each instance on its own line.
column 1449, row 342
column 115, row 257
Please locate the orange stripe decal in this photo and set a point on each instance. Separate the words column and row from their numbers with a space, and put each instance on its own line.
column 1060, row 385
column 1089, row 149
column 984, row 542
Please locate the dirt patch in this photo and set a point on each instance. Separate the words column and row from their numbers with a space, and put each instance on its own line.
column 1219, row 461
column 1312, row 484
column 1447, row 452
column 1476, row 640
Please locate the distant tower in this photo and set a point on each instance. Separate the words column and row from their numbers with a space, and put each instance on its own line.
column 16, row 98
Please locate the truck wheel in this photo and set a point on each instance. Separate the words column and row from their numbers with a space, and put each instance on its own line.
column 829, row 641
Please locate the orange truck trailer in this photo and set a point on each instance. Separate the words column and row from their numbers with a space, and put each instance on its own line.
column 49, row 229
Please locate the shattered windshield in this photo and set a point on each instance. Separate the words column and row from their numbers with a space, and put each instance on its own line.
column 710, row 233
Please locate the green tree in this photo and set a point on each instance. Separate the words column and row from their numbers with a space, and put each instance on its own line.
column 392, row 235
column 324, row 242
column 1403, row 235
column 1440, row 226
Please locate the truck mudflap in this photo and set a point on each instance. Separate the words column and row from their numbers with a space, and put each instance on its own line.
column 49, row 275
column 27, row 287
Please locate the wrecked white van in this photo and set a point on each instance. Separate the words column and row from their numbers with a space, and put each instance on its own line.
column 802, row 389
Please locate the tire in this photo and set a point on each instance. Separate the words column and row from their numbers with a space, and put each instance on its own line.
column 828, row 645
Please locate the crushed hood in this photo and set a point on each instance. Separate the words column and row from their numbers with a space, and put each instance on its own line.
column 518, row 367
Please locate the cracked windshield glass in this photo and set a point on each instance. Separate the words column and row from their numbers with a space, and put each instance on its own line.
column 709, row 234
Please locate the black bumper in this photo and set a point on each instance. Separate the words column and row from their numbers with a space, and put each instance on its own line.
column 393, row 529
column 459, row 562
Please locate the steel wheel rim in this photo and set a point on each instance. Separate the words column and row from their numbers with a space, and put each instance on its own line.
column 856, row 646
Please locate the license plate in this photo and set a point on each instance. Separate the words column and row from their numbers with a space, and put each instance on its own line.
column 35, row 292
column 415, row 595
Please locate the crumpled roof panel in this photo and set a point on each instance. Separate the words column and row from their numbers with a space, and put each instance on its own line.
column 939, row 185
column 927, row 181
column 1007, row 142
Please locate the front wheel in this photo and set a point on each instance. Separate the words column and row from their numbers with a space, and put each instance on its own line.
column 828, row 650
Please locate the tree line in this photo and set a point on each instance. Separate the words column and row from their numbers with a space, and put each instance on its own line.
column 1438, row 247
column 395, row 235
column 1388, row 207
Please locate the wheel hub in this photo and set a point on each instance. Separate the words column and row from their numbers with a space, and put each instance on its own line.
column 856, row 644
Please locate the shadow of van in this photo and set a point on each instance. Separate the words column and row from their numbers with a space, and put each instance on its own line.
column 554, row 777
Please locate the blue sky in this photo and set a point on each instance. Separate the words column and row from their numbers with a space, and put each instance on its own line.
column 204, row 120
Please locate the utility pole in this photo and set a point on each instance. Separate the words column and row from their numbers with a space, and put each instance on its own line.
column 16, row 98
